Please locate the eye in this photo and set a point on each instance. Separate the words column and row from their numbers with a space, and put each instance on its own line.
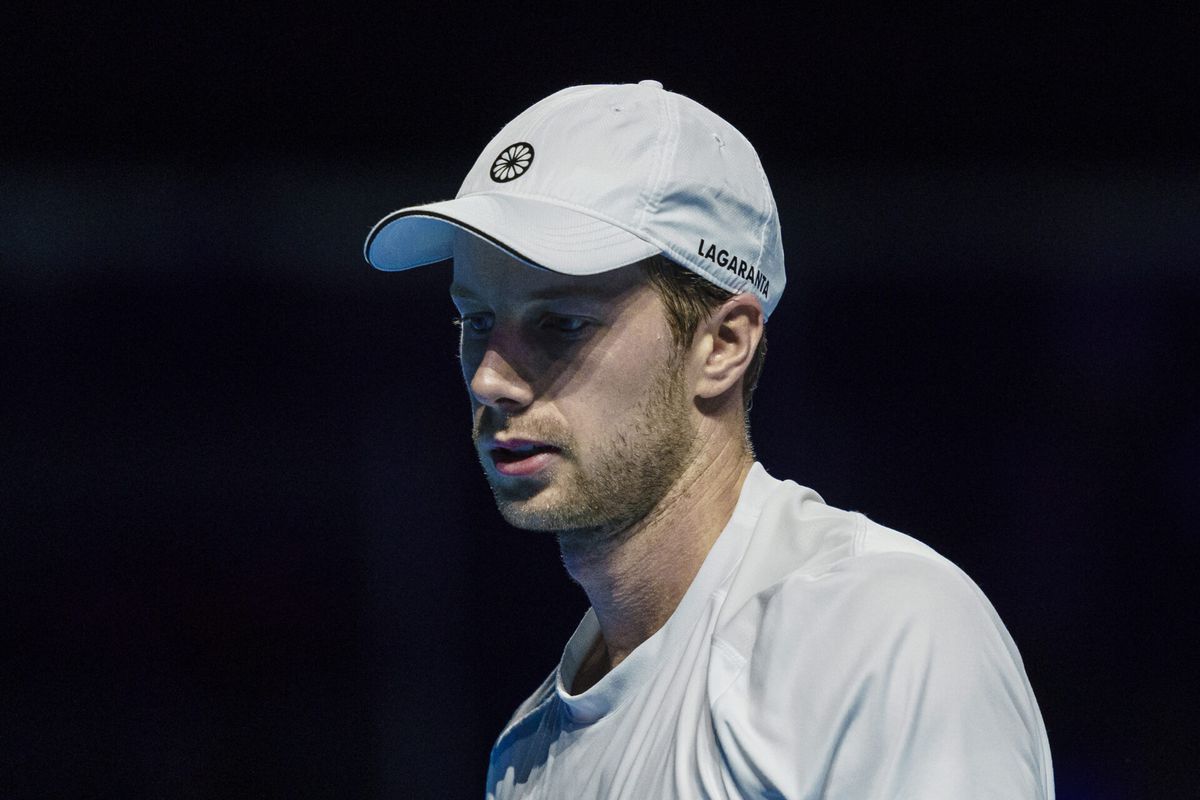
column 474, row 323
column 561, row 324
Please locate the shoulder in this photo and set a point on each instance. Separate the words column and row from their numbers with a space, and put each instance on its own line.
column 855, row 645
column 818, row 579
column 803, row 549
column 869, row 606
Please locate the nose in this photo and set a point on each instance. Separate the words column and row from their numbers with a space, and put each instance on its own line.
column 497, row 382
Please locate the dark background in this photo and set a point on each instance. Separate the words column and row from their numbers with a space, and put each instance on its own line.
column 247, row 551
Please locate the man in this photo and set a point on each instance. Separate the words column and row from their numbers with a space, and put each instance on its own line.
column 616, row 256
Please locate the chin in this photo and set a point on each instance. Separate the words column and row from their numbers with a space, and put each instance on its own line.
column 528, row 516
column 548, row 510
column 527, row 507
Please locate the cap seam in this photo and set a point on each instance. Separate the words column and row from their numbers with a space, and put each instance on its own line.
column 665, row 144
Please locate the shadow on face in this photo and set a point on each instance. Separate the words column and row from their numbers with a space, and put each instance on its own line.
column 528, row 332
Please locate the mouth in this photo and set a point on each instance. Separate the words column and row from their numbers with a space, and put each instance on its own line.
column 521, row 458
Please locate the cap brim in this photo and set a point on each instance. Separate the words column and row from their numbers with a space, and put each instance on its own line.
column 539, row 233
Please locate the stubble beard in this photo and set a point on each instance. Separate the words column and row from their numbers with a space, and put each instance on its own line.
column 619, row 482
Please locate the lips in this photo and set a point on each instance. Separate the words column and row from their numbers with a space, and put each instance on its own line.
column 521, row 457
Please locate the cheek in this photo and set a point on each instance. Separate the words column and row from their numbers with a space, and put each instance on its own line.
column 612, row 392
column 628, row 371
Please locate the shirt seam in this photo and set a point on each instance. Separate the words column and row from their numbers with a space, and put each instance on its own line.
column 860, row 534
column 741, row 662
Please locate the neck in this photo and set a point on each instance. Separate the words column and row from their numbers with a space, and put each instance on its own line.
column 636, row 577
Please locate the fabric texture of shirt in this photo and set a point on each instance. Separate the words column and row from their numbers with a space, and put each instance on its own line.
column 816, row 654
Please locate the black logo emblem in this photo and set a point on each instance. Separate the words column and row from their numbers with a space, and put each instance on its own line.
column 513, row 162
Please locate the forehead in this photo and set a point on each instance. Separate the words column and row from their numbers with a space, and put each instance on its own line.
column 485, row 272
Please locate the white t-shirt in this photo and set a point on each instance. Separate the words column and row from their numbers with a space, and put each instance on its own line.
column 815, row 655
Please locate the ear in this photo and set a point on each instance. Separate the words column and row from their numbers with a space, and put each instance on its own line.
column 726, row 345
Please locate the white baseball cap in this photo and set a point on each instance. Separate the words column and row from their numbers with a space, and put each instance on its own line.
column 593, row 178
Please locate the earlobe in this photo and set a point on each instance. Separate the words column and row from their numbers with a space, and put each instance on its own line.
column 730, row 338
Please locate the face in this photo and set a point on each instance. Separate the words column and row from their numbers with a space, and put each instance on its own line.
column 582, row 419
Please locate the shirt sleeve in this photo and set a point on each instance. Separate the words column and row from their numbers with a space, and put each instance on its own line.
column 889, row 676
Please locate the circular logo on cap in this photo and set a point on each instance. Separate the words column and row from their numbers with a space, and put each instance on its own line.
column 513, row 162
